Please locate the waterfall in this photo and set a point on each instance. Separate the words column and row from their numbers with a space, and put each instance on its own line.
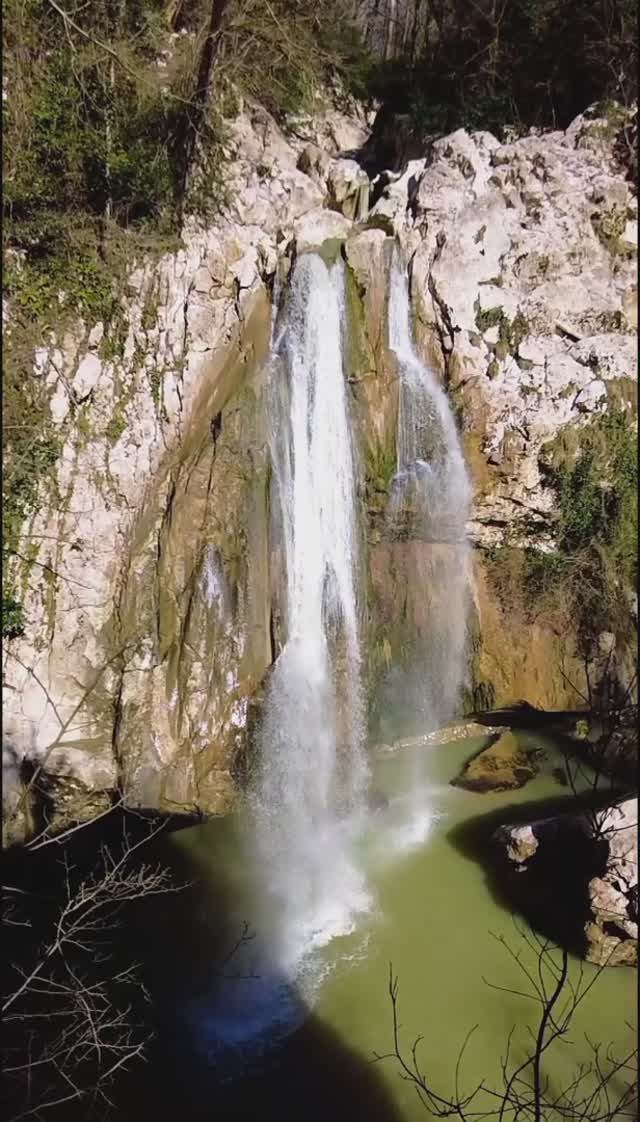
column 431, row 473
column 308, row 792
column 428, row 510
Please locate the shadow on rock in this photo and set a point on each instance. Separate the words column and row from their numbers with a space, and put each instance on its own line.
column 551, row 889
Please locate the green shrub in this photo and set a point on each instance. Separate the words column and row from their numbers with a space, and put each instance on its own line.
column 594, row 474
column 597, row 492
column 527, row 62
column 94, row 172
column 12, row 617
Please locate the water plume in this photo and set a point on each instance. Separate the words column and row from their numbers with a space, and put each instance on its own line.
column 308, row 793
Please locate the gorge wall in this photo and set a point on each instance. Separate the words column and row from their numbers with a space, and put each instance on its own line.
column 152, row 590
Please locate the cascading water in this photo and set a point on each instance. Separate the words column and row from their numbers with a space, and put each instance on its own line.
column 429, row 505
column 308, row 793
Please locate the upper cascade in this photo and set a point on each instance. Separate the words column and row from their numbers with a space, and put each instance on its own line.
column 431, row 471
column 428, row 511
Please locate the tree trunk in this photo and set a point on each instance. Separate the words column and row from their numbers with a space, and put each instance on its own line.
column 201, row 95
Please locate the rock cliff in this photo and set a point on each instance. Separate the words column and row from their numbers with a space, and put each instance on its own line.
column 149, row 580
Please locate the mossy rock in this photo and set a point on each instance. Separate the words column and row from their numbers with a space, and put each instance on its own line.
column 330, row 251
column 503, row 766
column 380, row 222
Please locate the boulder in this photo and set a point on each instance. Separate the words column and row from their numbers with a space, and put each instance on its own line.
column 578, row 879
column 317, row 227
column 502, row 766
column 348, row 188
column 314, row 162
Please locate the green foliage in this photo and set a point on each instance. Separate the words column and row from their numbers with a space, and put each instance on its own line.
column 284, row 55
column 527, row 62
column 80, row 282
column 12, row 617
column 542, row 571
column 510, row 332
column 381, row 467
column 98, row 108
column 609, row 227
column 594, row 474
column 487, row 318
column 597, row 493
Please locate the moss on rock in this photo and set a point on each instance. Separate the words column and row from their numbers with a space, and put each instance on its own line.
column 503, row 766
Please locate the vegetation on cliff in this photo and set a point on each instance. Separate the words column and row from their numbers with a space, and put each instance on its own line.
column 517, row 62
column 591, row 570
column 107, row 110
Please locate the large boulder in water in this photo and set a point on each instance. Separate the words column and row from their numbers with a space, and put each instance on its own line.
column 502, row 766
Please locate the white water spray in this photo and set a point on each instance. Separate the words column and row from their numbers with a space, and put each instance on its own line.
column 309, row 791
column 429, row 506
column 431, row 472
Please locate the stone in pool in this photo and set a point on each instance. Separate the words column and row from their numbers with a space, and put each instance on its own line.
column 502, row 766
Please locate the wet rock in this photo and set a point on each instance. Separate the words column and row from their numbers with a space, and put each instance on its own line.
column 503, row 766
column 522, row 845
column 318, row 227
column 348, row 188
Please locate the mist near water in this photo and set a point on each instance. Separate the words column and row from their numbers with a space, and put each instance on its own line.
column 307, row 803
column 428, row 559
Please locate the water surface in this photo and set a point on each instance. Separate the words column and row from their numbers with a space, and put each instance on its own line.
column 437, row 916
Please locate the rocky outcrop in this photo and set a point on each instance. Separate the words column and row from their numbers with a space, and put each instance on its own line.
column 595, row 883
column 524, row 293
column 523, row 266
column 502, row 766
column 148, row 576
column 147, row 585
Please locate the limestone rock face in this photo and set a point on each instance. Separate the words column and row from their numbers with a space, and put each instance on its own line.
column 151, row 587
column 524, row 292
column 348, row 189
column 524, row 278
column 612, row 935
column 149, row 604
column 593, row 857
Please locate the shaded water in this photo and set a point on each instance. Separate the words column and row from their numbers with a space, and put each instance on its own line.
column 256, row 1043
